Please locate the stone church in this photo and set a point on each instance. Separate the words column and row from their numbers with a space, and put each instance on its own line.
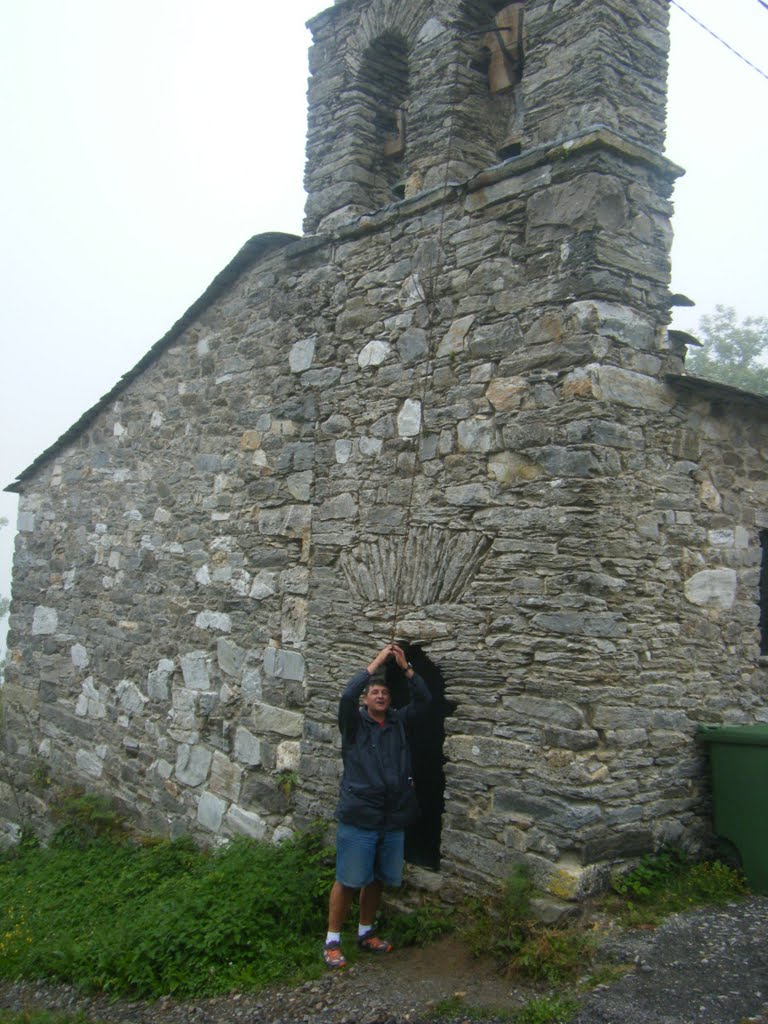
column 451, row 413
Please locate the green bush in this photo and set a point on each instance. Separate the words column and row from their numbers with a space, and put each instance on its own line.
column 652, row 874
column 507, row 931
column 165, row 918
column 669, row 881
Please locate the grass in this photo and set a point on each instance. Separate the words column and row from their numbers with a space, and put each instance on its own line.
column 427, row 922
column 40, row 1017
column 105, row 913
column 541, row 1010
column 102, row 911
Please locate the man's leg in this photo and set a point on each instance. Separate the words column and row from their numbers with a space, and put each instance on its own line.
column 355, row 853
column 370, row 898
column 389, row 870
column 338, row 906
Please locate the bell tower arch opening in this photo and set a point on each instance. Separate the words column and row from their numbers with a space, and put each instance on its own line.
column 422, row 839
column 493, row 39
column 383, row 86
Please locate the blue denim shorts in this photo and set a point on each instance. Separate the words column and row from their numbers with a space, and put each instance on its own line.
column 364, row 854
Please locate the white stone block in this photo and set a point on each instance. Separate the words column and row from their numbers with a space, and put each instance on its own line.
column 208, row 619
column 79, row 656
column 454, row 341
column 193, row 764
column 92, row 702
column 712, row 588
column 373, row 354
column 251, row 685
column 289, row 521
column 409, row 418
column 431, row 30
column 194, row 668
column 130, row 697
column 476, row 435
column 162, row 768
column 284, row 664
column 44, row 621
column 282, row 834
column 370, row 446
column 210, row 812
column 722, row 538
column 246, row 823
column 230, row 656
column 302, row 354
column 25, row 522
column 268, row 718
column 158, row 680
column 287, row 758
column 343, row 451
column 264, row 586
column 89, row 763
column 247, row 746
column 300, row 486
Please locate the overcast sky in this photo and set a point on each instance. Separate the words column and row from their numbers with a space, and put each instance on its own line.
column 144, row 143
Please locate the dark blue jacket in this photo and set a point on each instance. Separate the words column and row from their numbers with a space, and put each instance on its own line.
column 376, row 787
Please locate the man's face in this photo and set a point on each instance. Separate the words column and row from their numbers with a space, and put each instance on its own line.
column 377, row 699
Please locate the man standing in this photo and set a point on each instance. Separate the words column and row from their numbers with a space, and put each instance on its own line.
column 376, row 799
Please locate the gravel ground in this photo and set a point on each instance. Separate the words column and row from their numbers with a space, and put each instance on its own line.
column 703, row 967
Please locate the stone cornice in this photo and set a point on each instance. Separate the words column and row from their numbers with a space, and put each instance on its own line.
column 596, row 138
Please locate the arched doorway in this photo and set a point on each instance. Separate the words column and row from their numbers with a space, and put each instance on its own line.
column 422, row 839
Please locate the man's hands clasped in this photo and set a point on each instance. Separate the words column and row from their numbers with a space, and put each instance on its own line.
column 388, row 653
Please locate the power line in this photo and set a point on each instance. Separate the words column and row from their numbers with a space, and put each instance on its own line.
column 717, row 37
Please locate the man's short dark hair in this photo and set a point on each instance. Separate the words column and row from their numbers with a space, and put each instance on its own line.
column 377, row 682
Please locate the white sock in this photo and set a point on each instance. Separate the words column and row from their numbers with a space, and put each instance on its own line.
column 363, row 929
column 332, row 937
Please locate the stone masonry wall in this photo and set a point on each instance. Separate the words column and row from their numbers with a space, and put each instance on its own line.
column 202, row 566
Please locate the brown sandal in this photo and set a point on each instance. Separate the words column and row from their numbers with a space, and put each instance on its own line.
column 333, row 956
column 373, row 944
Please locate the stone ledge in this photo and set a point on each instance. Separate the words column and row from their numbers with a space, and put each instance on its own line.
column 597, row 137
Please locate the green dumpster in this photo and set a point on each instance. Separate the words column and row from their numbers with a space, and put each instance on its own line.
column 738, row 757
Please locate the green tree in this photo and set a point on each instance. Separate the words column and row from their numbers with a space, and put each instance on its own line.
column 733, row 353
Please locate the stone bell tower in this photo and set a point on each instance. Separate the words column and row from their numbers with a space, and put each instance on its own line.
column 408, row 94
column 511, row 153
